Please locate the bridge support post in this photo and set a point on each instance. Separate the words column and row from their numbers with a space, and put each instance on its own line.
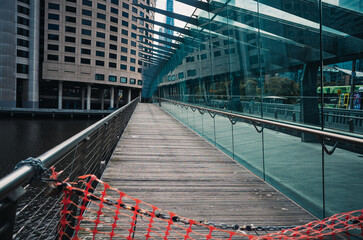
column 88, row 96
column 309, row 100
column 112, row 97
column 60, row 94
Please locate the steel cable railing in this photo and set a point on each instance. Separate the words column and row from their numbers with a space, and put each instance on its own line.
column 85, row 153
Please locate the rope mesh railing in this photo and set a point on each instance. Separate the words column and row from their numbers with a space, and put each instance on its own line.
column 112, row 214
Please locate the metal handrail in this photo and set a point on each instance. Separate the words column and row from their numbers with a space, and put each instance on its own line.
column 23, row 174
column 357, row 140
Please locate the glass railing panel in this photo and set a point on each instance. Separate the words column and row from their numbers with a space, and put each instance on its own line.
column 294, row 167
column 343, row 179
column 248, row 147
column 224, row 134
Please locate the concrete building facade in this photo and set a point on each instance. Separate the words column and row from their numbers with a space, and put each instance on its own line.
column 71, row 54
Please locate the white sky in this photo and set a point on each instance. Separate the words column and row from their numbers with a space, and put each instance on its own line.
column 178, row 8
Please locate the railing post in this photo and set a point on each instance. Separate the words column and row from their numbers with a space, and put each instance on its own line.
column 351, row 125
column 8, row 213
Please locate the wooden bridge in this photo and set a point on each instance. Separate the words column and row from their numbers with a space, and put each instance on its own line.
column 162, row 162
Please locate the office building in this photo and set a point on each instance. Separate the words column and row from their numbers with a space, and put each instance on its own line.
column 73, row 54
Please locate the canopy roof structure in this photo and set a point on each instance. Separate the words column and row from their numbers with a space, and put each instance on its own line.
column 287, row 33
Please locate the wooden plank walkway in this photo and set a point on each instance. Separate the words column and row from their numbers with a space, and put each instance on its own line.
column 163, row 163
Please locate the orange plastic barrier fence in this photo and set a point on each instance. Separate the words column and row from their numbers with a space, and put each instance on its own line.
column 112, row 214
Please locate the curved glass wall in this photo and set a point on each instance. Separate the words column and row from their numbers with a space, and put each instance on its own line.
column 294, row 61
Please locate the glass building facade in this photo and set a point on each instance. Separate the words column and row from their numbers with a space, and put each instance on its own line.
column 292, row 61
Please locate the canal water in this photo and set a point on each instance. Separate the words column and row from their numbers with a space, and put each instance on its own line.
column 23, row 138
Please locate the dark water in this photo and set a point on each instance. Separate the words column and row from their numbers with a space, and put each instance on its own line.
column 23, row 138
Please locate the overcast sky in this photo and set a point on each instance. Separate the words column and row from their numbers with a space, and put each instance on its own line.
column 178, row 8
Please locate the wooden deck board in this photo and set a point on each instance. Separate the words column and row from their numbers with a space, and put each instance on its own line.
column 163, row 163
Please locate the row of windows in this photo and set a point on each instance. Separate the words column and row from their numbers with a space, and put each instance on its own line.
column 111, row 78
column 190, row 73
column 70, row 29
column 101, row 63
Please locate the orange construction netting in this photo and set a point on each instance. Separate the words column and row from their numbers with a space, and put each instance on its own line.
column 107, row 213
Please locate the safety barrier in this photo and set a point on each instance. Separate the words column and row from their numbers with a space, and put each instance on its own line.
column 112, row 214
column 302, row 161
column 25, row 212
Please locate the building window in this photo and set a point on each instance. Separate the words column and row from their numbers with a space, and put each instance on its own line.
column 54, row 6
column 86, row 22
column 125, row 5
column 24, row 1
column 123, row 80
column 113, row 47
column 189, row 59
column 191, row 73
column 112, row 65
column 85, row 61
column 125, row 32
column 100, row 63
column 133, row 52
column 112, row 78
column 100, row 54
column 125, row 14
column 85, row 51
column 217, row 54
column 101, row 16
column 100, row 77
column 123, row 67
column 73, row 1
column 101, row 25
column 133, row 35
column 113, row 29
column 100, row 35
column 52, row 57
column 23, row 32
column 114, row 2
column 113, row 38
column 113, row 19
column 112, row 55
column 22, row 68
column 124, row 49
column 70, row 29
column 100, row 44
column 70, row 19
column 53, row 26
column 69, row 49
column 87, row 3
column 23, row 54
column 53, row 16
column 71, row 9
column 181, row 75
column 125, row 23
column 132, row 81
column 133, row 43
column 86, row 41
column 139, row 82
column 114, row 10
column 124, row 58
column 53, row 47
column 23, row 21
column 132, row 69
column 203, row 56
column 101, row 6
column 139, row 70
column 132, row 60
column 54, row 37
column 134, row 10
column 71, row 39
column 86, row 12
column 86, row 32
column 69, row 59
